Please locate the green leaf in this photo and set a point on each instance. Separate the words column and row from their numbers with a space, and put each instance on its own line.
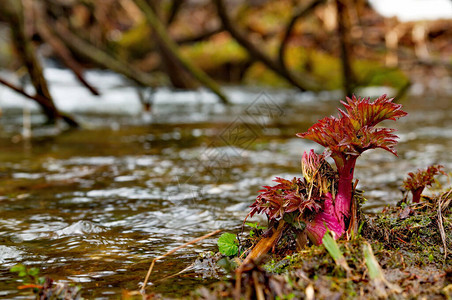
column 228, row 244
column 20, row 269
column 227, row 264
column 33, row 271
column 333, row 249
column 17, row 268
column 255, row 225
column 41, row 280
column 372, row 264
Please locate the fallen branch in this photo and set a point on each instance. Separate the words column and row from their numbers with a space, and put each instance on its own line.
column 61, row 50
column 13, row 11
column 343, row 21
column 261, row 249
column 100, row 57
column 43, row 102
column 172, row 47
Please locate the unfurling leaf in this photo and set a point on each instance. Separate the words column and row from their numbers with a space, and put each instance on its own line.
column 363, row 113
column 416, row 182
column 228, row 244
column 354, row 131
column 317, row 171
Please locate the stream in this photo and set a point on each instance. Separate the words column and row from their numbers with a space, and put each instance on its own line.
column 94, row 206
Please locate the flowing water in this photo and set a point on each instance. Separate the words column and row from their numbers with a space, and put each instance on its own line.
column 95, row 206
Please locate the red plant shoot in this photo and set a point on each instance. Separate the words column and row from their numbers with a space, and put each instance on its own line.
column 323, row 197
column 349, row 135
column 416, row 182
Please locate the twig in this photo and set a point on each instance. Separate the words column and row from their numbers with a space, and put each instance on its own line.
column 171, row 252
column 199, row 37
column 442, row 201
column 175, row 7
column 175, row 274
column 258, row 288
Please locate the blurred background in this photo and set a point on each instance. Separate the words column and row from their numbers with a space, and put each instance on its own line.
column 129, row 127
column 307, row 45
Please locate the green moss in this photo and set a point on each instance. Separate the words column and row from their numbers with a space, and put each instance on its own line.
column 412, row 268
column 327, row 70
column 135, row 42
column 259, row 74
column 214, row 53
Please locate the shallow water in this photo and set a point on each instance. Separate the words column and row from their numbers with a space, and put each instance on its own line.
column 94, row 206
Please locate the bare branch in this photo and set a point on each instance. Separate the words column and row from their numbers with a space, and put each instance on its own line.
column 102, row 58
column 60, row 49
column 302, row 82
column 175, row 7
column 42, row 101
column 346, row 46
column 173, row 49
column 300, row 13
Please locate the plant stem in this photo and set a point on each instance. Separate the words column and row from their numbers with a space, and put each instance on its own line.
column 343, row 200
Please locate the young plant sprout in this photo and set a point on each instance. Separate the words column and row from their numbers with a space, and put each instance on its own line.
column 322, row 199
column 416, row 182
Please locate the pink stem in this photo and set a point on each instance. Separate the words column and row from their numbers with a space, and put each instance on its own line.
column 417, row 194
column 324, row 220
column 342, row 203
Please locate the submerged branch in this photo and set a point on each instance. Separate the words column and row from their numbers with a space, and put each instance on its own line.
column 43, row 102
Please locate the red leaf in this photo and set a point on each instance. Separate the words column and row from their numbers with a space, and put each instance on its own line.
column 286, row 197
column 362, row 112
column 353, row 132
column 416, row 182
